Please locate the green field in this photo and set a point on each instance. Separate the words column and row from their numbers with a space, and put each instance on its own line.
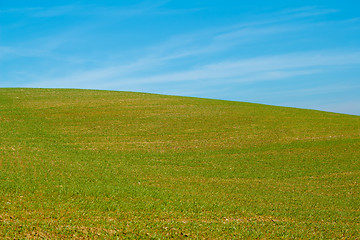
column 79, row 164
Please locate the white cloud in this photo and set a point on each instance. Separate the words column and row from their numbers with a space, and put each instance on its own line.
column 258, row 69
column 245, row 70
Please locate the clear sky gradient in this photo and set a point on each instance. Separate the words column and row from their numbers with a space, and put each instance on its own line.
column 296, row 53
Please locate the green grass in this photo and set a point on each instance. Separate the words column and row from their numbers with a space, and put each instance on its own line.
column 102, row 164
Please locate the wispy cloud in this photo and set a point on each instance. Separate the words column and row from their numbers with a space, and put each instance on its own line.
column 259, row 68
column 143, row 70
column 219, row 39
column 5, row 51
column 96, row 77
column 197, row 60
column 179, row 46
column 275, row 67
column 42, row 11
column 142, row 8
column 308, row 11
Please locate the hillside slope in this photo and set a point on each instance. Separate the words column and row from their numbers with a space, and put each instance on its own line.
column 88, row 164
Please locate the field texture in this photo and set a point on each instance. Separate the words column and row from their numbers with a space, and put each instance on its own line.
column 99, row 164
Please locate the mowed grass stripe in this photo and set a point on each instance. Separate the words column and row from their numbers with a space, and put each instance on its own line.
column 105, row 164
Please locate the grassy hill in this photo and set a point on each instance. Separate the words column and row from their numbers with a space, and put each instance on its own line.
column 103, row 164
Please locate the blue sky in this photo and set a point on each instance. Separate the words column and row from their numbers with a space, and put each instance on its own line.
column 295, row 53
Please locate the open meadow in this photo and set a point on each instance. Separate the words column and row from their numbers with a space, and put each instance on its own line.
column 79, row 164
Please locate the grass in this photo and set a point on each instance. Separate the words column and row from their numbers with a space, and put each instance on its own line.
column 107, row 165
